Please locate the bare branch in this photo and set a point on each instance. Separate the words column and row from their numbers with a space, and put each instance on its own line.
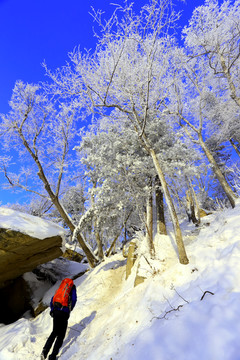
column 206, row 292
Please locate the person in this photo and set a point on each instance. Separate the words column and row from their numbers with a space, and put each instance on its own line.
column 62, row 303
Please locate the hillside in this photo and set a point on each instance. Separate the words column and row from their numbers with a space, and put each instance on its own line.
column 162, row 319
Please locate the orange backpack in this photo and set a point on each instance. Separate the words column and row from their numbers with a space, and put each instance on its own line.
column 61, row 297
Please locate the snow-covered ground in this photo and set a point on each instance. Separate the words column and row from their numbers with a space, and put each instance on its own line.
column 163, row 318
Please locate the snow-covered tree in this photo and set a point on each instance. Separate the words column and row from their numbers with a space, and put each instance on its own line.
column 190, row 89
column 212, row 67
column 118, row 171
column 130, row 72
column 41, row 132
column 214, row 32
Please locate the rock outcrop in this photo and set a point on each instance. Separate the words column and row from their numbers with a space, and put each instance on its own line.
column 20, row 253
column 26, row 241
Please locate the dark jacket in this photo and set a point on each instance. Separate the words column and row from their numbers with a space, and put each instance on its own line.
column 73, row 300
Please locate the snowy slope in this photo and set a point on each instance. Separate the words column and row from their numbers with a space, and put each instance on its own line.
column 162, row 319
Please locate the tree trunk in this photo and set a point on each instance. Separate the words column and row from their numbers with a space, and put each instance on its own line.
column 117, row 236
column 113, row 244
column 235, row 147
column 96, row 230
column 192, row 205
column 232, row 87
column 232, row 197
column 55, row 199
column 149, row 220
column 196, row 206
column 98, row 240
column 177, row 230
column 90, row 256
column 161, row 224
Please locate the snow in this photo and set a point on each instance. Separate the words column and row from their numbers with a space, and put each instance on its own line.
column 29, row 224
column 163, row 318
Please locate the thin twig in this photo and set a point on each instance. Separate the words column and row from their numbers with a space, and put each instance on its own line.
column 206, row 292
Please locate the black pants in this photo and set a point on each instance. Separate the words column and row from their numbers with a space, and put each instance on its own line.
column 60, row 322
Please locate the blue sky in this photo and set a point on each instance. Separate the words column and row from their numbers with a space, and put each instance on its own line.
column 32, row 31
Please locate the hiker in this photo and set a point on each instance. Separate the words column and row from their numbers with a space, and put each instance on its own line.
column 62, row 303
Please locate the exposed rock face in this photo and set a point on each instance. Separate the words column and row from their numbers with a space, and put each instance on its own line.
column 204, row 213
column 73, row 255
column 20, row 253
column 131, row 258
